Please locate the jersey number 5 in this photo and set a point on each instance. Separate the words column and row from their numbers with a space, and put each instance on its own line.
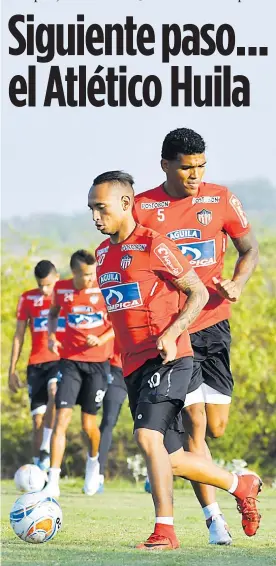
column 160, row 215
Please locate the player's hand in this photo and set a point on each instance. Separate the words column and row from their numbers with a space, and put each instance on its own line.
column 227, row 289
column 54, row 345
column 166, row 345
column 93, row 340
column 14, row 382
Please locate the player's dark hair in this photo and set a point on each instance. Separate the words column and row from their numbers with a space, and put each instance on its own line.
column 182, row 140
column 114, row 177
column 43, row 268
column 82, row 256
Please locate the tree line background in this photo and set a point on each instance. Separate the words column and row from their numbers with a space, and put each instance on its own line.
column 251, row 432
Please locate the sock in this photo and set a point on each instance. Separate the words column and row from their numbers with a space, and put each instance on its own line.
column 54, row 474
column 211, row 510
column 234, row 484
column 93, row 458
column 164, row 520
column 35, row 460
column 46, row 440
column 101, row 479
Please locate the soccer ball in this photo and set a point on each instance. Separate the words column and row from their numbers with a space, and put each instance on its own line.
column 36, row 517
column 30, row 478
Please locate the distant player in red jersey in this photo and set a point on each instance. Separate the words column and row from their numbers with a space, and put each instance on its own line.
column 84, row 367
column 42, row 370
column 198, row 217
column 142, row 276
column 112, row 404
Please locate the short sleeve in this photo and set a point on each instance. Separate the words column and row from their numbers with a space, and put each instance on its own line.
column 167, row 259
column 235, row 221
column 22, row 309
column 135, row 211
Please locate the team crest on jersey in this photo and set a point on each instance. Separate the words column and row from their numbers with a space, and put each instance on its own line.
column 126, row 261
column 38, row 301
column 111, row 277
column 120, row 297
column 204, row 216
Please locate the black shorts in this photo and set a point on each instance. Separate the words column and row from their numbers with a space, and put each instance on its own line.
column 82, row 383
column 116, row 391
column 157, row 393
column 212, row 358
column 38, row 377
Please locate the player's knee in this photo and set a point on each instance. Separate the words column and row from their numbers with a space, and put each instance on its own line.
column 62, row 422
column 37, row 422
column 89, row 426
column 217, row 428
column 147, row 439
column 195, row 420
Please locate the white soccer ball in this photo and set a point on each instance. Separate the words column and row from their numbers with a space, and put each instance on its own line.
column 36, row 517
column 30, row 478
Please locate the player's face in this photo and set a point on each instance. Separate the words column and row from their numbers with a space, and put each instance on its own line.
column 84, row 275
column 185, row 173
column 109, row 206
column 46, row 285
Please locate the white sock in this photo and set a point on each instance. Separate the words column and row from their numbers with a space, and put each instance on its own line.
column 35, row 460
column 93, row 458
column 46, row 440
column 101, row 479
column 54, row 474
column 164, row 520
column 234, row 484
column 211, row 510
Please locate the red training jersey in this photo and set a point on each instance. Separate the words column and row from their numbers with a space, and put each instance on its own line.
column 34, row 308
column 135, row 277
column 85, row 314
column 199, row 227
column 116, row 358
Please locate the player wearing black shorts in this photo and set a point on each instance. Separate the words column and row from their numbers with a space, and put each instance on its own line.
column 84, row 366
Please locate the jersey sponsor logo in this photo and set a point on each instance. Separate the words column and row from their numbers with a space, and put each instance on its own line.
column 61, row 324
column 126, row 261
column 40, row 324
column 237, row 206
column 85, row 321
column 153, row 205
column 82, row 308
column 204, row 216
column 111, row 277
column 133, row 247
column 102, row 251
column 182, row 233
column 44, row 312
column 168, row 259
column 199, row 254
column 120, row 297
column 205, row 200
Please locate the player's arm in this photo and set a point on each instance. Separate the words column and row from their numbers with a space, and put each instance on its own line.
column 197, row 297
column 18, row 341
column 53, row 343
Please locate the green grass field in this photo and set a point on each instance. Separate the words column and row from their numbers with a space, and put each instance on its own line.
column 102, row 531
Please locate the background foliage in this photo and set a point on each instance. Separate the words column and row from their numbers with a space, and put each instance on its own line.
column 251, row 433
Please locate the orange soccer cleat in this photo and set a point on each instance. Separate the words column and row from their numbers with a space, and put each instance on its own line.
column 163, row 538
column 249, row 485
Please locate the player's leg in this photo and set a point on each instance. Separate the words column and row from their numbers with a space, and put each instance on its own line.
column 38, row 400
column 67, row 393
column 195, row 422
column 112, row 403
column 90, row 398
column 155, row 394
column 51, row 378
column 37, row 418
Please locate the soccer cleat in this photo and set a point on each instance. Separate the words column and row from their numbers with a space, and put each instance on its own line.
column 92, row 477
column 218, row 531
column 159, row 542
column 249, row 485
column 147, row 486
column 100, row 488
column 44, row 461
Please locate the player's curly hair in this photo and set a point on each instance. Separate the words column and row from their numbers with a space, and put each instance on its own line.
column 43, row 268
column 182, row 140
column 114, row 177
column 82, row 256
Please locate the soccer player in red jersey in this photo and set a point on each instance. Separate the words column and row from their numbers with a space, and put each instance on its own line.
column 142, row 276
column 42, row 369
column 87, row 345
column 198, row 217
column 112, row 404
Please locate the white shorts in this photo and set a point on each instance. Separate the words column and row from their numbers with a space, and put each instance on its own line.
column 206, row 394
